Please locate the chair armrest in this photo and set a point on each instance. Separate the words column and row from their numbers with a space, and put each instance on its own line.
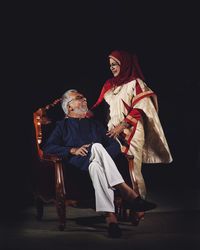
column 129, row 157
column 52, row 158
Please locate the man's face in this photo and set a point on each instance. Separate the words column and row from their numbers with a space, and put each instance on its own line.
column 114, row 67
column 78, row 103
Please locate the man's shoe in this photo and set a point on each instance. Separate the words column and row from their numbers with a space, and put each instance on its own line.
column 114, row 231
column 140, row 205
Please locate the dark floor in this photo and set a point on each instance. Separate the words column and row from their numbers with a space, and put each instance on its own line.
column 174, row 224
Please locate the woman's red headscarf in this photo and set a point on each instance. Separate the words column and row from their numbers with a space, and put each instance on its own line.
column 129, row 70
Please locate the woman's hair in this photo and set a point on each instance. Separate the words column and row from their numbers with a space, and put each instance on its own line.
column 66, row 99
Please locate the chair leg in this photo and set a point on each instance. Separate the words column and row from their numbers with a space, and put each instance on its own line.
column 61, row 211
column 39, row 208
column 60, row 196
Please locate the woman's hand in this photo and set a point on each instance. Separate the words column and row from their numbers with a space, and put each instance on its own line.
column 114, row 132
column 82, row 151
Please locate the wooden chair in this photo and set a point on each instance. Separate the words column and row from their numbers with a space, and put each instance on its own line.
column 48, row 173
column 54, row 183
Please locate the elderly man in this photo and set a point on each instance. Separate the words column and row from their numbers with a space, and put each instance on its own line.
column 83, row 143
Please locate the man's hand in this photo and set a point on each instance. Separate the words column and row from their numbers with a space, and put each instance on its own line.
column 80, row 151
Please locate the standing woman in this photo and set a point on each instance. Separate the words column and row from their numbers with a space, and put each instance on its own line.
column 133, row 116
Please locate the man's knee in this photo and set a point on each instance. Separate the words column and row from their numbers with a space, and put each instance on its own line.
column 95, row 169
column 97, row 146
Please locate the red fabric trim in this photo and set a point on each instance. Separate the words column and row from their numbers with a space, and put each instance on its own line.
column 105, row 88
column 128, row 108
column 129, row 121
column 135, row 114
column 138, row 88
column 137, row 100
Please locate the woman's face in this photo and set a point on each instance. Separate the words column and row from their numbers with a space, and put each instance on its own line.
column 114, row 67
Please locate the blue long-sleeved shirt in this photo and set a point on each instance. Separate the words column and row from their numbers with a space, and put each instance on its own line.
column 74, row 132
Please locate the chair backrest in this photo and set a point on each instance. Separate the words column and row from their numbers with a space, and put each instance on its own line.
column 44, row 122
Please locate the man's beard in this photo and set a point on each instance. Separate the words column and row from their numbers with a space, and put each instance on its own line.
column 81, row 110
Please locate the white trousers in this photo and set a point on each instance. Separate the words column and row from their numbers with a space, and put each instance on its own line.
column 104, row 175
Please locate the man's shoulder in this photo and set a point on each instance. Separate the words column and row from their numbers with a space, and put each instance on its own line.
column 61, row 123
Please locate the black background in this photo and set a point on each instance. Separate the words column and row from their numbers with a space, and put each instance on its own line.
column 49, row 48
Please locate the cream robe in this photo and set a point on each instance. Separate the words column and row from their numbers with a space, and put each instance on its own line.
column 148, row 143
